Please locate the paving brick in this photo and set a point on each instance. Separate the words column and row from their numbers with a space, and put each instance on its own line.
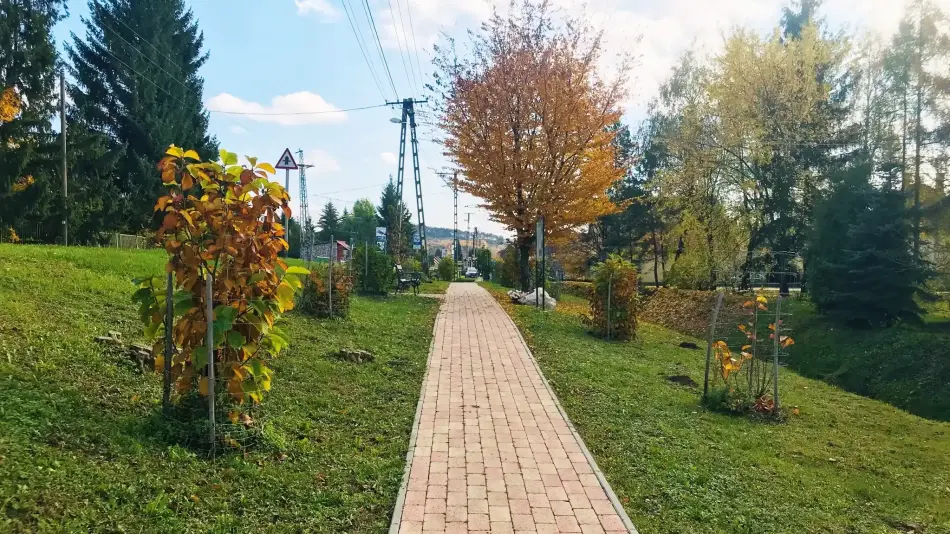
column 493, row 453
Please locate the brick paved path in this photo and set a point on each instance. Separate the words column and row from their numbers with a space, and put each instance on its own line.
column 492, row 451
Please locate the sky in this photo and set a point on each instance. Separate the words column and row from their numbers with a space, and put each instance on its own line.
column 272, row 61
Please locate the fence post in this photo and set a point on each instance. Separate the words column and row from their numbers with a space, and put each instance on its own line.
column 209, row 339
column 778, row 315
column 331, row 255
column 610, row 284
column 709, row 342
column 167, row 367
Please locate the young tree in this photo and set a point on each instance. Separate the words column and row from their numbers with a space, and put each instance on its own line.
column 137, row 82
column 527, row 118
column 329, row 223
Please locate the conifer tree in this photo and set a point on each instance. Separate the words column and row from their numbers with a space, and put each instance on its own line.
column 137, row 82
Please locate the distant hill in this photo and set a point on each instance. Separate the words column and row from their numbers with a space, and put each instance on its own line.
column 436, row 232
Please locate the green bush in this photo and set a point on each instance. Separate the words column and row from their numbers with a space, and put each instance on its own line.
column 447, row 270
column 507, row 268
column 374, row 270
column 616, row 279
column 313, row 298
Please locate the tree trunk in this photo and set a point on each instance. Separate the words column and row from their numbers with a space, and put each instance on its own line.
column 524, row 265
column 918, row 140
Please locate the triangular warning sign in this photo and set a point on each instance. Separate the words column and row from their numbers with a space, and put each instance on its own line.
column 286, row 161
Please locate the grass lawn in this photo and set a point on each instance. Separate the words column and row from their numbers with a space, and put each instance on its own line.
column 82, row 450
column 434, row 287
column 846, row 464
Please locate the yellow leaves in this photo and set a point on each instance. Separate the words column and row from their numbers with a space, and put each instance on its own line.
column 285, row 296
column 10, row 103
column 762, row 300
column 203, row 386
column 162, row 203
column 191, row 154
column 786, row 341
column 175, row 151
column 266, row 167
column 187, row 182
column 159, row 363
column 22, row 184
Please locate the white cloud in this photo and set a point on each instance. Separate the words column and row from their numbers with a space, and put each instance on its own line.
column 302, row 107
column 323, row 162
column 238, row 130
column 322, row 8
column 389, row 158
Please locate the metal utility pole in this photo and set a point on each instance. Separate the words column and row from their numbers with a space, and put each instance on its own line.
column 306, row 228
column 475, row 244
column 62, row 128
column 409, row 116
column 455, row 201
column 468, row 229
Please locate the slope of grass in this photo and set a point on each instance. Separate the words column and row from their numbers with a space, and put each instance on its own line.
column 905, row 365
column 81, row 448
column 846, row 464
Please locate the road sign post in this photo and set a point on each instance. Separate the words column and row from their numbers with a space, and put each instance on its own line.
column 287, row 163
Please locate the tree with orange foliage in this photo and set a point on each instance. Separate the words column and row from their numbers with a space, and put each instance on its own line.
column 526, row 117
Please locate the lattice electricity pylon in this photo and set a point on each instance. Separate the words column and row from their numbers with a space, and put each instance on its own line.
column 306, row 227
column 409, row 115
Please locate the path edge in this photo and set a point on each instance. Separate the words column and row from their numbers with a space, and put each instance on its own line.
column 570, row 424
column 404, row 485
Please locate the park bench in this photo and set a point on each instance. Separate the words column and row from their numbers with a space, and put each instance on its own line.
column 406, row 281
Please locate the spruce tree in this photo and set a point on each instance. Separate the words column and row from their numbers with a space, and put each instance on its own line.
column 329, row 223
column 864, row 269
column 398, row 235
column 137, row 82
column 27, row 143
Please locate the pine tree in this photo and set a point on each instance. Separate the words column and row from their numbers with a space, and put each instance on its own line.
column 137, row 82
column 28, row 81
column 329, row 223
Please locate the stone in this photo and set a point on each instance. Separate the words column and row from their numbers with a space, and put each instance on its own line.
column 355, row 355
column 531, row 298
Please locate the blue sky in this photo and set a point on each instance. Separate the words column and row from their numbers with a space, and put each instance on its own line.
column 292, row 56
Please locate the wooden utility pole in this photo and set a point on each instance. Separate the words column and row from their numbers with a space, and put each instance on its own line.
column 62, row 128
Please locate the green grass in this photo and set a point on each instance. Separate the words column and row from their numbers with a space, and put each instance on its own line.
column 434, row 287
column 905, row 365
column 81, row 448
column 846, row 464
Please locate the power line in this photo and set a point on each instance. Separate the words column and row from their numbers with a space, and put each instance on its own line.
column 413, row 86
column 296, row 112
column 143, row 54
column 379, row 45
column 363, row 50
column 415, row 48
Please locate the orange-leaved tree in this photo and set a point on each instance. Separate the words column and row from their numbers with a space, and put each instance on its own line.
column 526, row 117
column 222, row 219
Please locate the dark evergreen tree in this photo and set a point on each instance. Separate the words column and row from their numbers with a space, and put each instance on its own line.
column 330, row 224
column 137, row 82
column 29, row 149
column 868, row 275
column 398, row 235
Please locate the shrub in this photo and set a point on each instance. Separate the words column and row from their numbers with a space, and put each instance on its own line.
column 313, row 298
column 507, row 268
column 221, row 219
column 619, row 278
column 447, row 270
column 577, row 289
column 555, row 289
column 374, row 270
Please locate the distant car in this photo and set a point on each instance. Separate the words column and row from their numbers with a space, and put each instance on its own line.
column 471, row 272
